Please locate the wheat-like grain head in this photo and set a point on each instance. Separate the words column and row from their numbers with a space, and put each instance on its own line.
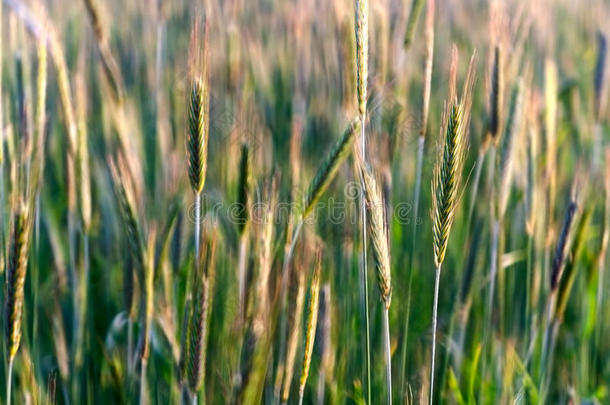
column 560, row 250
column 312, row 321
column 510, row 141
column 65, row 94
column 197, row 141
column 110, row 68
column 127, row 208
column 496, row 95
column 243, row 191
column 379, row 232
column 262, row 308
column 446, row 182
column 327, row 171
column 295, row 329
column 198, row 319
column 362, row 52
column 147, row 298
column 565, row 286
column 449, row 164
column 15, row 277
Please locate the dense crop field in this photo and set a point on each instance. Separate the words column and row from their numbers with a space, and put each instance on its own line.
column 304, row 201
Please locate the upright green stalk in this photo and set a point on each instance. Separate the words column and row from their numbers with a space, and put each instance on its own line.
column 503, row 183
column 437, row 279
column 362, row 55
column 429, row 39
column 446, row 182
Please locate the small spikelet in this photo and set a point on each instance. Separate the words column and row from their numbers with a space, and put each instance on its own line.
column 560, row 249
column 509, row 144
column 496, row 101
column 198, row 135
column 312, row 321
column 243, row 191
column 327, row 171
column 15, row 278
column 379, row 233
column 362, row 52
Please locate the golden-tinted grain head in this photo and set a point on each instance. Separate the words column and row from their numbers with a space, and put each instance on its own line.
column 312, row 321
column 362, row 52
column 295, row 329
column 15, row 277
column 379, row 233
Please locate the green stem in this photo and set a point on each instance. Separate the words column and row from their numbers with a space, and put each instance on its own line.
column 241, row 271
column 475, row 185
column 418, row 174
column 437, row 280
column 388, row 356
column 364, row 267
column 493, row 271
column 197, row 227
column 143, row 381
column 9, row 379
